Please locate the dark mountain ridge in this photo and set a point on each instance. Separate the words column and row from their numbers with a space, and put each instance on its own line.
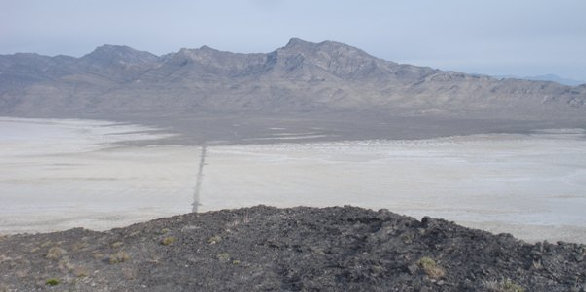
column 299, row 77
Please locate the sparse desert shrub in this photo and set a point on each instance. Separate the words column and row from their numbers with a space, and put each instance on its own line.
column 65, row 265
column 245, row 219
column 116, row 244
column 118, row 257
column 55, row 253
column 80, row 272
column 506, row 285
column 79, row 245
column 407, row 238
column 168, row 240
column 223, row 257
column 52, row 282
column 214, row 239
column 46, row 243
column 431, row 268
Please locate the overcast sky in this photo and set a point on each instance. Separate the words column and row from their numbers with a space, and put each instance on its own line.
column 522, row 37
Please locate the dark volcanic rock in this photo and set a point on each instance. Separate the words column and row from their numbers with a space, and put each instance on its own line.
column 264, row 248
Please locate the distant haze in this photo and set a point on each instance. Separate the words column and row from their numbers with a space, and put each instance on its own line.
column 522, row 38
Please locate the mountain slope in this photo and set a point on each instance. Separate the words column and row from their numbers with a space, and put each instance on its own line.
column 301, row 76
column 546, row 77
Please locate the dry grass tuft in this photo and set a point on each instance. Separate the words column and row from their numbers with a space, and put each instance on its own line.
column 245, row 219
column 55, row 253
column 118, row 257
column 168, row 240
column 506, row 285
column 214, row 239
column 223, row 257
column 431, row 268
column 116, row 244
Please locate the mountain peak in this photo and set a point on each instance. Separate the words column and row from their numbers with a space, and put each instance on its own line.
column 329, row 47
column 207, row 48
column 119, row 54
column 203, row 53
column 107, row 49
column 297, row 43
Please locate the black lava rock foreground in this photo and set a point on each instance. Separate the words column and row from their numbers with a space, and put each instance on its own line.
column 265, row 248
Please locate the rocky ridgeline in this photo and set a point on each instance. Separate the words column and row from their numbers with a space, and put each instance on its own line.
column 298, row 77
column 265, row 248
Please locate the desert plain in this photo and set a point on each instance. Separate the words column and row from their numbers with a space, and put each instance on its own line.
column 57, row 174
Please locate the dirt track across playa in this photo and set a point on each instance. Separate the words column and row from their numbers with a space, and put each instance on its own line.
column 76, row 173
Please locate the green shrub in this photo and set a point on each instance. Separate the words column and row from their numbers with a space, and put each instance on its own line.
column 52, row 282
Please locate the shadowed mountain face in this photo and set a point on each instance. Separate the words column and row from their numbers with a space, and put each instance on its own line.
column 299, row 77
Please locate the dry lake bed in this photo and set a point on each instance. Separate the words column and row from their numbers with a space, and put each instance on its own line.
column 59, row 174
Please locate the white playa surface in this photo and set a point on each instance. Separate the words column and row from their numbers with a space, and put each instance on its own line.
column 60, row 174
column 533, row 186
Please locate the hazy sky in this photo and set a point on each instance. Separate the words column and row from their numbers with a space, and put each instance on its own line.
column 523, row 37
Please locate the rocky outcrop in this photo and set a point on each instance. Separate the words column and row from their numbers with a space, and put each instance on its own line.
column 265, row 248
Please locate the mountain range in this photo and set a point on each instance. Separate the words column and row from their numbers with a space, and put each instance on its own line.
column 299, row 77
column 546, row 77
